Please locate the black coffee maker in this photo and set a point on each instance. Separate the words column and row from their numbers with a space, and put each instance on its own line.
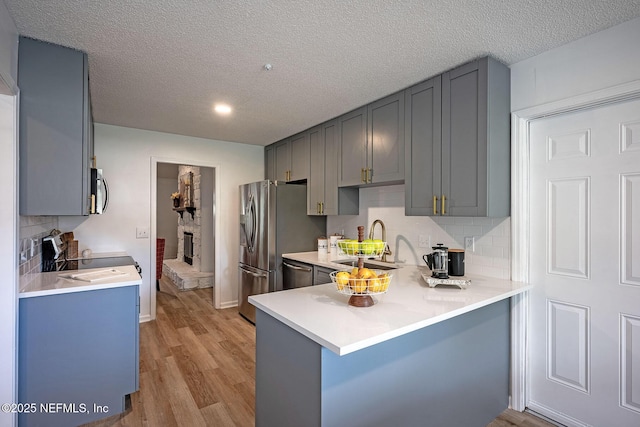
column 438, row 261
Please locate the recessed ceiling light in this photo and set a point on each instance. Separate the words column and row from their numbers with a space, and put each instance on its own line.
column 222, row 109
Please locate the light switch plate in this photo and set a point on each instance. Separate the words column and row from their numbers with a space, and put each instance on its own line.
column 142, row 232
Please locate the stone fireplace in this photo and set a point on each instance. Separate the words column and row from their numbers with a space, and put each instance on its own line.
column 186, row 270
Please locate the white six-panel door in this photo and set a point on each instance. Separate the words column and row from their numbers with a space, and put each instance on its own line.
column 584, row 330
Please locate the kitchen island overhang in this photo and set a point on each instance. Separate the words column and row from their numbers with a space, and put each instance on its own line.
column 421, row 356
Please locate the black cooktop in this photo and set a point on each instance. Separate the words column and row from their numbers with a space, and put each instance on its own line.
column 84, row 263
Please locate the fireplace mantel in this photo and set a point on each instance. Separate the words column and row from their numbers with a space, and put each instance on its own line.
column 190, row 209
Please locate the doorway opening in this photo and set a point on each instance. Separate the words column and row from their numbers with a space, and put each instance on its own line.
column 185, row 221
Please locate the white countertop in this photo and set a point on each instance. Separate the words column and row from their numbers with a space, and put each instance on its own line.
column 323, row 315
column 60, row 282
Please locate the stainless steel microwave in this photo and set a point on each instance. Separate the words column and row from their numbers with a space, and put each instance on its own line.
column 99, row 192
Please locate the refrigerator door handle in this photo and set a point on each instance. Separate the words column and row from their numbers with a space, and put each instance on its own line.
column 249, row 225
column 295, row 267
column 252, row 273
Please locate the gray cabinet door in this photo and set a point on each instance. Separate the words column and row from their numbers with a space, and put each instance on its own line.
column 321, row 275
column 282, row 159
column 299, row 168
column 270, row 163
column 464, row 141
column 337, row 200
column 55, row 129
column 385, row 140
column 316, row 182
column 352, row 134
column 324, row 196
column 475, row 139
column 88, row 354
column 422, row 146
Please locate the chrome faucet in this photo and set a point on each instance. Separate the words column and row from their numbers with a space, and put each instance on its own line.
column 386, row 251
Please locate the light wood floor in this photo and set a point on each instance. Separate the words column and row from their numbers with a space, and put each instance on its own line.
column 197, row 368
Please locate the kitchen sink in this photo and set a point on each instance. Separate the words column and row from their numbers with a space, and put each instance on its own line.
column 371, row 265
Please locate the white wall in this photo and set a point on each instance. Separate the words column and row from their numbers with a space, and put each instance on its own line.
column 166, row 218
column 608, row 58
column 8, row 213
column 491, row 256
column 207, row 198
column 125, row 155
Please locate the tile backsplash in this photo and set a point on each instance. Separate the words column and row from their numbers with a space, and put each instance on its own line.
column 491, row 254
column 32, row 230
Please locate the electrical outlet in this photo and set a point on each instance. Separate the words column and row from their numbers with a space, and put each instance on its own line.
column 470, row 244
column 142, row 232
column 424, row 241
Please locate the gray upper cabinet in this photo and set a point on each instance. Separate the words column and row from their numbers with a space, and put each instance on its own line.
column 372, row 143
column 300, row 157
column 282, row 162
column 291, row 158
column 462, row 168
column 323, row 195
column 423, row 135
column 270, row 163
column 385, row 140
column 315, row 185
column 56, row 131
column 352, row 137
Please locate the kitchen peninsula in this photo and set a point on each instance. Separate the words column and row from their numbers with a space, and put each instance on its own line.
column 420, row 356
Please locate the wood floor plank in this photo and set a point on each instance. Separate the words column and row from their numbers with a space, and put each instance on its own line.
column 193, row 376
column 204, row 375
column 183, row 405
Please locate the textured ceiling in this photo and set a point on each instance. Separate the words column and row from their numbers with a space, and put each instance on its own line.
column 161, row 64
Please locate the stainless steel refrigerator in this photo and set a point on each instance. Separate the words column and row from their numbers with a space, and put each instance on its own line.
column 273, row 221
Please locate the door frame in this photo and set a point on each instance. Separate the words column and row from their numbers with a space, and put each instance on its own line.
column 520, row 224
column 216, row 224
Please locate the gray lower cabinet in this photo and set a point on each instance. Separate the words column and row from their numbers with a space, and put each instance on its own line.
column 372, row 143
column 80, row 350
column 323, row 195
column 468, row 170
column 321, row 275
column 56, row 131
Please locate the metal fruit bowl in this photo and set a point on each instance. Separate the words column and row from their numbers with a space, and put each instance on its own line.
column 366, row 282
column 368, row 248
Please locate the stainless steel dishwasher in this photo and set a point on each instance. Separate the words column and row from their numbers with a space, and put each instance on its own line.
column 296, row 274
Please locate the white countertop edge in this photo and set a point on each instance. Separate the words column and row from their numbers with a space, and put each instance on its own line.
column 88, row 287
column 47, row 283
column 296, row 327
column 350, row 348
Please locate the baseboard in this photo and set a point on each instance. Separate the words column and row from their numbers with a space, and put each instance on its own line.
column 229, row 304
column 145, row 318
